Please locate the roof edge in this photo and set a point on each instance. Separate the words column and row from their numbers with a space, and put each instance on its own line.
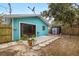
column 25, row 15
column 19, row 15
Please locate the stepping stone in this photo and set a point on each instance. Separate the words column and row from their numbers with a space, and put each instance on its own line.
column 50, row 41
column 36, row 47
column 47, row 43
column 4, row 45
column 11, row 43
column 25, row 42
column 42, row 45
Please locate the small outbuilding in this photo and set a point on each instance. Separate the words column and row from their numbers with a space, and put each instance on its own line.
column 55, row 30
column 26, row 24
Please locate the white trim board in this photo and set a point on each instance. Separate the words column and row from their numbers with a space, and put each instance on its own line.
column 26, row 23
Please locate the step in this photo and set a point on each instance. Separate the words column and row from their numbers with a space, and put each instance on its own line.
column 46, row 43
column 25, row 42
column 42, row 45
column 36, row 47
column 50, row 41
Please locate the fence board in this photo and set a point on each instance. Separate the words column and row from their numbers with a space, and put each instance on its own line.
column 5, row 33
column 70, row 31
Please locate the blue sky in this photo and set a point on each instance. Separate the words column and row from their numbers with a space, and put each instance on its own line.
column 22, row 8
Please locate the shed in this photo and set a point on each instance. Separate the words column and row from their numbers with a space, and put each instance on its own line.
column 27, row 24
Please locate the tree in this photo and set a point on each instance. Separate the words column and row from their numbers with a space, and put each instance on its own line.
column 2, row 14
column 45, row 14
column 77, row 14
column 62, row 12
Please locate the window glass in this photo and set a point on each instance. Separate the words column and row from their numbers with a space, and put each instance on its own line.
column 43, row 28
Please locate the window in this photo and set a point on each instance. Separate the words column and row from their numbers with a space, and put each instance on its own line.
column 43, row 28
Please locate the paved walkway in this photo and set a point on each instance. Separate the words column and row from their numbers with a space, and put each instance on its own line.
column 40, row 41
column 44, row 41
column 45, row 38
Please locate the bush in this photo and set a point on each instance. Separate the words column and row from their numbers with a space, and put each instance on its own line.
column 24, row 37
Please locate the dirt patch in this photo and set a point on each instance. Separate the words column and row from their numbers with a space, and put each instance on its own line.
column 18, row 50
column 13, row 50
column 66, row 46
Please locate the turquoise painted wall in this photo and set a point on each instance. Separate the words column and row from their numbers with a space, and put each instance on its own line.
column 34, row 20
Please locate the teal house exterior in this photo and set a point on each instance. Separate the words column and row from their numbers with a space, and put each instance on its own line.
column 28, row 24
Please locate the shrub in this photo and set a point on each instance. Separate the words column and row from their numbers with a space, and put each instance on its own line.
column 24, row 37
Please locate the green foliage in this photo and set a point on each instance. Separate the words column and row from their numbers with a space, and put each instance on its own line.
column 33, row 37
column 62, row 12
column 45, row 13
column 56, row 9
column 24, row 37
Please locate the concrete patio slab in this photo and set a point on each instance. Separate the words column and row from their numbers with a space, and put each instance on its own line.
column 42, row 39
column 42, row 45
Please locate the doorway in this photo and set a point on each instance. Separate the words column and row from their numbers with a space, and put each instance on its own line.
column 27, row 29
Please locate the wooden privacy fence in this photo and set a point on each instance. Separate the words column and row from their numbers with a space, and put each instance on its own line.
column 70, row 31
column 5, row 33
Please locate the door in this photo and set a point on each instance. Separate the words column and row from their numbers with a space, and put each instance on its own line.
column 28, row 29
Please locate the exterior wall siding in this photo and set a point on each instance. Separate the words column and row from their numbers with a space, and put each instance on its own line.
column 6, row 21
column 32, row 20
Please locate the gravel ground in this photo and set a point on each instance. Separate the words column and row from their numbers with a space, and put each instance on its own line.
column 65, row 46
